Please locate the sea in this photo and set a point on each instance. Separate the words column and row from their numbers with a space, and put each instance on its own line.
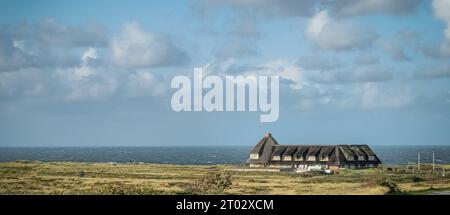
column 197, row 154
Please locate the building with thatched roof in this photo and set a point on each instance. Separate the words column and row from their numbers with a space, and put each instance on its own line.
column 268, row 153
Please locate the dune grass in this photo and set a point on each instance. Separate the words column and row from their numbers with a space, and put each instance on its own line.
column 24, row 177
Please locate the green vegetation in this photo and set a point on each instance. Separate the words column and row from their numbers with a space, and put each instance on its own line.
column 393, row 188
column 27, row 177
column 210, row 184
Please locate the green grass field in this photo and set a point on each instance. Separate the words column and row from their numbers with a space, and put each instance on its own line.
column 24, row 177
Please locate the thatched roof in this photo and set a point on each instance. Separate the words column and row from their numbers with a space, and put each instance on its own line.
column 326, row 151
column 264, row 149
column 346, row 151
column 301, row 151
column 279, row 150
column 289, row 151
column 268, row 147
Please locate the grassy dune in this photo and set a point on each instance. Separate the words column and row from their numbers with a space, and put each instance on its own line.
column 102, row 178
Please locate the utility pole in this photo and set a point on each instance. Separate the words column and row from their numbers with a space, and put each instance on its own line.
column 418, row 161
column 433, row 164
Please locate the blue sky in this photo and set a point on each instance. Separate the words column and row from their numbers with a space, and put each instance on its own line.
column 363, row 71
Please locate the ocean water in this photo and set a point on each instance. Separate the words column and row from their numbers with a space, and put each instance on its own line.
column 196, row 154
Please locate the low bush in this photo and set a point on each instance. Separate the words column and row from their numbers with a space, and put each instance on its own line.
column 129, row 189
column 392, row 186
column 417, row 179
column 210, row 184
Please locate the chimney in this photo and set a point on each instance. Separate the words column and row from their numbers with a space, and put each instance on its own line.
column 268, row 135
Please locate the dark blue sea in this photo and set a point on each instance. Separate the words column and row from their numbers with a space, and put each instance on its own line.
column 195, row 154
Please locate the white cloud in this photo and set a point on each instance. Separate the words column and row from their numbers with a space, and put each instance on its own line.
column 369, row 96
column 441, row 9
column 90, row 54
column 337, row 34
column 46, row 43
column 81, row 62
column 135, row 47
column 367, row 7
column 82, row 86
column 272, row 7
column 377, row 96
column 144, row 83
column 25, row 82
column 339, row 7
column 288, row 71
column 350, row 75
column 396, row 51
column 84, row 70
column 85, row 82
column 360, row 87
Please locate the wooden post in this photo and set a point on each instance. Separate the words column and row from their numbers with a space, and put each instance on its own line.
column 418, row 161
column 433, row 164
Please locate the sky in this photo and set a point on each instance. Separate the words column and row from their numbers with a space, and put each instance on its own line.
column 98, row 73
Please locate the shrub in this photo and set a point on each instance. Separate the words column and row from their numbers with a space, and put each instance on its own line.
column 417, row 179
column 392, row 186
column 24, row 161
column 210, row 184
column 130, row 189
column 311, row 174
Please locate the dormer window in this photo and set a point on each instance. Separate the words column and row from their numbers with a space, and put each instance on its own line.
column 311, row 158
column 371, row 158
column 350, row 158
column 276, row 158
column 324, row 158
column 254, row 156
column 287, row 158
column 299, row 158
column 361, row 158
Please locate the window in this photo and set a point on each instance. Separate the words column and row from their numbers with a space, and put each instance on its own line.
column 298, row 158
column 276, row 158
column 350, row 158
column 254, row 156
column 361, row 158
column 311, row 158
column 371, row 158
column 287, row 158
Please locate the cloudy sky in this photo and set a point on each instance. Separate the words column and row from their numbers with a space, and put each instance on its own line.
column 97, row 73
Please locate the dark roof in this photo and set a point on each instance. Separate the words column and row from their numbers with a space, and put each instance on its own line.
column 367, row 150
column 279, row 150
column 326, row 150
column 264, row 149
column 357, row 150
column 338, row 154
column 313, row 151
column 346, row 150
column 260, row 146
column 290, row 151
column 301, row 151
